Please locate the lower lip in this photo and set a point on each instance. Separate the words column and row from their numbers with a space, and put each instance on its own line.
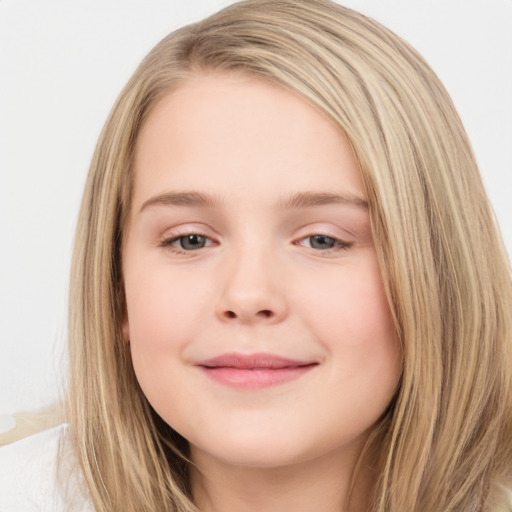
column 255, row 378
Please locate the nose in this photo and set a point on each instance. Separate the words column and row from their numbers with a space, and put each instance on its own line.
column 252, row 291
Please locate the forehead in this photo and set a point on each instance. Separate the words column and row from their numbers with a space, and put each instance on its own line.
column 229, row 133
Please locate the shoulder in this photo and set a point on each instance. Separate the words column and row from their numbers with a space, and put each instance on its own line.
column 29, row 472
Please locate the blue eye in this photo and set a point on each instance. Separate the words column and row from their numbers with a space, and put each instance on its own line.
column 324, row 242
column 191, row 242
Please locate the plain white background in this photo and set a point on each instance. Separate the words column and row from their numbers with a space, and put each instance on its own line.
column 62, row 65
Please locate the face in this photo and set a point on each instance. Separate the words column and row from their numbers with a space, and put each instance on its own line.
column 256, row 315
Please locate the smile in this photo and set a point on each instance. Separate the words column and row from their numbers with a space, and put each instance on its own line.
column 254, row 371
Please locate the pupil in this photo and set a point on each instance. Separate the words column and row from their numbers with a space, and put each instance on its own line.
column 192, row 242
column 322, row 242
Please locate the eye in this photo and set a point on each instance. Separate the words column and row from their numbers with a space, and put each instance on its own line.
column 324, row 242
column 190, row 242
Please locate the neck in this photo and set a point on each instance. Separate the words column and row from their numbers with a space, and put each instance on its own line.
column 324, row 484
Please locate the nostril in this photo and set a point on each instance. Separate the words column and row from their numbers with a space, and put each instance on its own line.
column 263, row 313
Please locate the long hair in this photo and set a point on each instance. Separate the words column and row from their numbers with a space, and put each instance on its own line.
column 445, row 442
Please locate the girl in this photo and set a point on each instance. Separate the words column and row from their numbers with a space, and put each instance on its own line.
column 288, row 289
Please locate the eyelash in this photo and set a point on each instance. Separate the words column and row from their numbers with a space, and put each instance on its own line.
column 167, row 243
column 341, row 245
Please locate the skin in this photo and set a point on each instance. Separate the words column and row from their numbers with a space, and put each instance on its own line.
column 265, row 281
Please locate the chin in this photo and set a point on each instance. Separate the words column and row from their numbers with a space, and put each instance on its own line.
column 255, row 448
column 258, row 457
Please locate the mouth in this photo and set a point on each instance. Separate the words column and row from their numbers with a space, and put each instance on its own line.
column 255, row 370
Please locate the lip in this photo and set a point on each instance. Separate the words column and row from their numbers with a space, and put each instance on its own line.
column 254, row 371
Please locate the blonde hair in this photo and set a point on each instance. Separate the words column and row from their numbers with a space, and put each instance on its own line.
column 446, row 440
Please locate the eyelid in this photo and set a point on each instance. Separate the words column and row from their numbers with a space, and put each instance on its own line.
column 341, row 244
column 174, row 234
column 325, row 228
column 170, row 241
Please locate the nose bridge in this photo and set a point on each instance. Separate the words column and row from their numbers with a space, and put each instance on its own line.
column 251, row 288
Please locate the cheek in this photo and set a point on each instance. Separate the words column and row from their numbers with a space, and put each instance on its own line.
column 161, row 310
column 163, row 319
column 353, row 308
column 352, row 320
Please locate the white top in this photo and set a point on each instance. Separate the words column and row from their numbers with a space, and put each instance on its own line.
column 38, row 474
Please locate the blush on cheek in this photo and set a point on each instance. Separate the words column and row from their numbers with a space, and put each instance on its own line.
column 156, row 312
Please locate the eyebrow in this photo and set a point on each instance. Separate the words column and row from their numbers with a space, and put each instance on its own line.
column 192, row 199
column 309, row 199
column 295, row 201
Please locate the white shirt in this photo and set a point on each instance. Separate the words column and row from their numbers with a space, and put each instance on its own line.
column 38, row 474
column 30, row 482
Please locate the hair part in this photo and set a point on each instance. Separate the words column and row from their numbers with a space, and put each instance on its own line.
column 446, row 440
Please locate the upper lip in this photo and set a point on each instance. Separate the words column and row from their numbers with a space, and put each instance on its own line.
column 253, row 361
